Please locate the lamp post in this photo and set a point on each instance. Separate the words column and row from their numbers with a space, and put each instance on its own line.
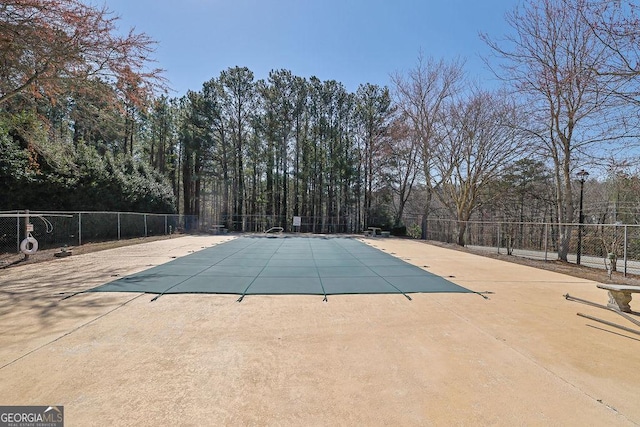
column 583, row 174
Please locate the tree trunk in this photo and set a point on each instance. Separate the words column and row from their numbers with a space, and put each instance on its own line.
column 186, row 186
column 285, row 166
column 461, row 228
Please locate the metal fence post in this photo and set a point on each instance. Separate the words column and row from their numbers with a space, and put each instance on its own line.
column 145, row 225
column 498, row 242
column 165, row 224
column 118, row 225
column 546, row 240
column 26, row 229
column 625, row 250
column 18, row 232
column 79, row 228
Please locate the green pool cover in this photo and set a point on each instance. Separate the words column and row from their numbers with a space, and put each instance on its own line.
column 257, row 265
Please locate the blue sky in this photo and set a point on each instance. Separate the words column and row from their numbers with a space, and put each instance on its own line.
column 351, row 41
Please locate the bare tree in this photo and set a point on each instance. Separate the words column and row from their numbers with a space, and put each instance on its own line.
column 615, row 24
column 479, row 141
column 402, row 166
column 420, row 96
column 552, row 61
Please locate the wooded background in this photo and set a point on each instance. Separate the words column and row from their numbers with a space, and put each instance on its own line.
column 86, row 124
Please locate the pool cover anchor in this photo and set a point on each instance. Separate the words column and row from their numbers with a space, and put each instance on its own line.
column 484, row 294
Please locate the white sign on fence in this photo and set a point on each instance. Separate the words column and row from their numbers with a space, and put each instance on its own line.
column 297, row 221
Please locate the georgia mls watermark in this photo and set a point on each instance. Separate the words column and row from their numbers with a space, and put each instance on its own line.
column 31, row 416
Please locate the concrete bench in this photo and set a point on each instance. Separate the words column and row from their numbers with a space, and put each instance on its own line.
column 619, row 296
column 374, row 231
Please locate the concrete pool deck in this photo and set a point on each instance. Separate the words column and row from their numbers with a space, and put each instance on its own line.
column 520, row 357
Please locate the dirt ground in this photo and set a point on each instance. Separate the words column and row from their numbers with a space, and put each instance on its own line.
column 521, row 357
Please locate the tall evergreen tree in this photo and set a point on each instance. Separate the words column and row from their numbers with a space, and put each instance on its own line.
column 239, row 102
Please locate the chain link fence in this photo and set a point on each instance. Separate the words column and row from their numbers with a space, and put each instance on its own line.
column 54, row 230
column 262, row 223
column 614, row 247
column 59, row 229
column 607, row 246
